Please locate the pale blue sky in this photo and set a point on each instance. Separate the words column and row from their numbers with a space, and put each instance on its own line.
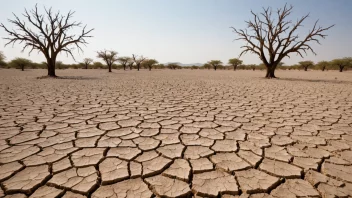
column 186, row 31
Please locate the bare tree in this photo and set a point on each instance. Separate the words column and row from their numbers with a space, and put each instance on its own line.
column 109, row 57
column 235, row 62
column 47, row 34
column 306, row 64
column 87, row 62
column 20, row 63
column 138, row 61
column 322, row 65
column 274, row 38
column 150, row 63
column 124, row 61
column 215, row 63
column 342, row 62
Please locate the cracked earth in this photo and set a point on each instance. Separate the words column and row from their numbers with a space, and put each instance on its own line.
column 175, row 134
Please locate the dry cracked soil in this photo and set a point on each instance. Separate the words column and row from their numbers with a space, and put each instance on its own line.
column 183, row 133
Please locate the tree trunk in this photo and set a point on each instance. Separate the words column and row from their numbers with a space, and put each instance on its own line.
column 234, row 68
column 138, row 67
column 323, row 69
column 341, row 68
column 51, row 70
column 22, row 67
column 150, row 68
column 109, row 68
column 305, row 68
column 86, row 66
column 51, row 67
column 124, row 67
column 270, row 72
column 215, row 68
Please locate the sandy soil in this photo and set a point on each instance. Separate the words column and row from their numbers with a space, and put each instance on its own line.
column 195, row 133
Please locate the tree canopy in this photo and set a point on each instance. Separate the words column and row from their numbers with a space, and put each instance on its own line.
column 322, row 65
column 108, row 56
column 20, row 63
column 124, row 61
column 150, row 63
column 86, row 62
column 235, row 62
column 138, row 60
column 306, row 64
column 173, row 65
column 342, row 63
column 215, row 63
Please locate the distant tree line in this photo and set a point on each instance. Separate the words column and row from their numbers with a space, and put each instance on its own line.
column 127, row 63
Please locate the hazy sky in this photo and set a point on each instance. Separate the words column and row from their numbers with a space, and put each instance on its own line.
column 186, row 31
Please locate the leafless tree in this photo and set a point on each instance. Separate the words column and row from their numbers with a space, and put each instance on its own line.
column 124, row 61
column 138, row 61
column 109, row 57
column 87, row 62
column 47, row 34
column 273, row 38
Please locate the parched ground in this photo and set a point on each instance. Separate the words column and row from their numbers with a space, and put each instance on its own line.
column 184, row 133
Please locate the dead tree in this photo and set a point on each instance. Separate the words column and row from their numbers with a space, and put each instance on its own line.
column 306, row 64
column 109, row 57
column 87, row 62
column 215, row 63
column 138, row 61
column 274, row 38
column 124, row 61
column 47, row 34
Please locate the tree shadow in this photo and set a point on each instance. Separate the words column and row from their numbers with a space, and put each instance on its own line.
column 316, row 80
